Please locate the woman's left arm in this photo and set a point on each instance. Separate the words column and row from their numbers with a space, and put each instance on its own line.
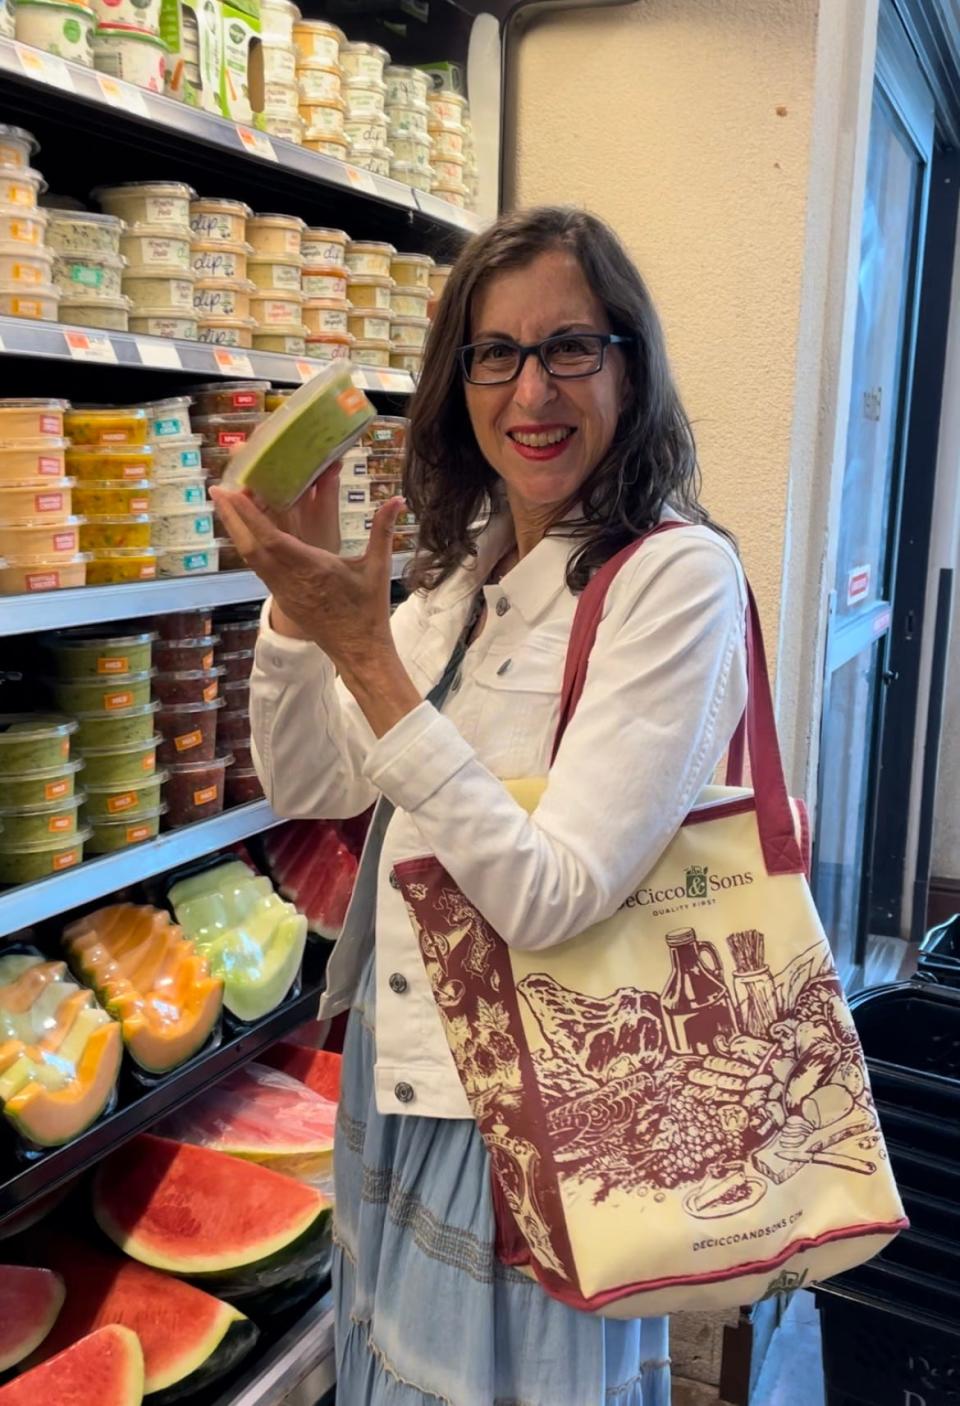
column 665, row 688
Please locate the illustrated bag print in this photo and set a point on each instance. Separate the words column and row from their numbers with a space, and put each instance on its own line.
column 675, row 1101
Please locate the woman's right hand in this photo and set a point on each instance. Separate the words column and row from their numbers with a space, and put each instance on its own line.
column 314, row 519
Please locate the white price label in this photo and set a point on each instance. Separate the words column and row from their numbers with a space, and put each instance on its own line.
column 154, row 351
column 308, row 369
column 122, row 95
column 257, row 143
column 360, row 179
column 384, row 379
column 90, row 346
column 232, row 363
column 46, row 67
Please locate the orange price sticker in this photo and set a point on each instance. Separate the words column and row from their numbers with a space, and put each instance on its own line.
column 306, row 370
column 232, row 363
column 45, row 67
column 256, row 143
column 90, row 346
column 122, row 95
column 360, row 179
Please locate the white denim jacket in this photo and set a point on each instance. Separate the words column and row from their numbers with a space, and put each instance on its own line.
column 664, row 691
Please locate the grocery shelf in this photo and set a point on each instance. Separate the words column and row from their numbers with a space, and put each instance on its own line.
column 24, row 1181
column 31, row 903
column 296, row 1370
column 55, row 341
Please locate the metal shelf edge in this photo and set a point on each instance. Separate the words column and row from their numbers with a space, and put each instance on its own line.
column 305, row 1350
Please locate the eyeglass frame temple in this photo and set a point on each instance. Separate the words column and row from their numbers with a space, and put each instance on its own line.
column 607, row 339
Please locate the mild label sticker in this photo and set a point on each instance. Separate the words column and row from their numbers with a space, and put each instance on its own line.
column 124, row 801
column 60, row 824
column 66, row 860
column 187, row 740
column 122, row 699
column 47, row 68
column 135, row 833
column 122, row 95
column 91, row 346
column 54, row 790
column 256, row 143
column 205, row 795
column 112, row 664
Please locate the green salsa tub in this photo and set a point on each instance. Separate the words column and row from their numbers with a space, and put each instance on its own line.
column 120, row 762
column 32, row 741
column 120, row 800
column 111, row 835
column 34, row 788
column 23, row 863
column 116, row 693
column 51, row 820
column 103, row 729
column 91, row 654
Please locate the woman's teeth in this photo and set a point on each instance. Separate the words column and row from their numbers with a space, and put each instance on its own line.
column 540, row 441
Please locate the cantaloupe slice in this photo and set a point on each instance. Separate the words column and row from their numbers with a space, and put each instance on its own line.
column 49, row 1117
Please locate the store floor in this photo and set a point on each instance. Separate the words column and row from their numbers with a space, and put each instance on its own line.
column 792, row 1374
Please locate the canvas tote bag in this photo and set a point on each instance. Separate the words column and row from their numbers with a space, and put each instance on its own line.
column 675, row 1101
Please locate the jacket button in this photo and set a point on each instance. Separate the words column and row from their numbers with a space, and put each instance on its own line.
column 503, row 605
column 404, row 1092
column 398, row 983
column 393, row 881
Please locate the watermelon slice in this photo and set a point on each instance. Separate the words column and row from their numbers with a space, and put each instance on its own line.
column 318, row 1069
column 30, row 1300
column 237, row 1227
column 189, row 1338
column 104, row 1369
column 316, row 869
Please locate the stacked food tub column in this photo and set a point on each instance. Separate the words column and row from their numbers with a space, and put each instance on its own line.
column 407, row 126
column 158, row 278
column 112, row 462
column 219, row 252
column 319, row 83
column 280, row 97
column 88, row 268
column 365, row 94
column 39, row 533
column 26, row 284
column 448, row 137
column 275, row 268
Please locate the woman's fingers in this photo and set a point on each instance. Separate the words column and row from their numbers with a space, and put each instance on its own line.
column 380, row 547
column 249, row 526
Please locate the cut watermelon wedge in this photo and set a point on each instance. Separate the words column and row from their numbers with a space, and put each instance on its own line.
column 318, row 1069
column 104, row 1369
column 316, row 869
column 30, row 1300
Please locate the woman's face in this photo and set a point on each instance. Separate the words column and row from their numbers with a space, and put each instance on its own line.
column 550, row 295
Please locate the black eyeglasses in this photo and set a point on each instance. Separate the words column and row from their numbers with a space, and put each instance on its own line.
column 566, row 356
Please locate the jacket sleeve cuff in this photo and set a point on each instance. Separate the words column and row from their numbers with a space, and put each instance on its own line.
column 282, row 659
column 416, row 757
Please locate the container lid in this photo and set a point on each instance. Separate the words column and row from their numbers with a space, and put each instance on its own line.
column 126, row 31
column 336, row 103
column 93, row 635
column 14, row 249
column 327, row 304
column 280, row 329
column 317, row 65
column 166, row 314
column 19, row 134
column 399, row 70
column 219, row 246
column 145, row 188
column 194, row 641
column 446, row 95
column 236, row 654
column 366, row 280
column 174, row 402
column 445, row 124
column 101, row 823
column 38, row 403
column 418, row 107
column 40, row 559
column 106, row 412
column 34, row 727
column 46, row 445
column 25, row 173
column 401, row 320
column 46, row 773
column 78, row 452
column 105, row 680
column 121, row 554
column 119, row 520
column 190, row 768
column 120, row 304
column 46, row 846
column 234, row 285
column 241, row 322
column 206, row 386
column 121, row 749
column 74, row 256
column 280, row 221
column 30, row 524
column 145, row 231
column 232, row 419
column 215, row 672
column 340, row 339
column 140, row 784
column 277, row 295
column 290, row 260
column 362, row 246
column 209, row 204
column 73, row 802
column 325, row 138
column 321, row 27
column 371, row 344
column 412, row 290
column 332, row 236
column 423, row 260
column 51, row 484
column 372, row 50
column 359, row 83
column 187, row 707
column 186, row 510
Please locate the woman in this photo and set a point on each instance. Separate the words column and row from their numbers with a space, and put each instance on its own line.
column 546, row 409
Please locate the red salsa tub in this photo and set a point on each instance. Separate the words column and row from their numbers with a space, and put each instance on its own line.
column 195, row 790
column 189, row 731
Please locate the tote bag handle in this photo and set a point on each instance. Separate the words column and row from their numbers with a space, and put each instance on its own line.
column 775, row 822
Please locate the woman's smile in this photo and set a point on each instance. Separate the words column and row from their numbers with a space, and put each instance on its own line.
column 541, row 441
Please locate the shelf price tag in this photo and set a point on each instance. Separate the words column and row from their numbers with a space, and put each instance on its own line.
column 308, row 369
column 232, row 363
column 153, row 351
column 46, row 67
column 360, row 179
column 90, row 346
column 257, row 143
column 122, row 95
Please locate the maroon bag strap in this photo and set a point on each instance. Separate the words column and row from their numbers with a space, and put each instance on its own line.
column 757, row 729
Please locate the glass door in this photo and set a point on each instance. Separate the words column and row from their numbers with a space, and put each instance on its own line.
column 860, row 606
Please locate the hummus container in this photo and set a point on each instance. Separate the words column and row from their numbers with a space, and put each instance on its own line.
column 370, row 258
column 375, row 160
column 227, row 431
column 319, row 83
column 132, row 55
column 411, row 362
column 31, row 419
column 371, row 352
column 115, row 564
column 113, row 694
column 24, row 575
column 39, row 302
column 41, row 785
column 108, row 836
column 405, row 85
column 110, row 314
column 219, row 259
column 178, row 655
column 242, row 786
column 190, row 562
column 188, row 731
column 438, row 278
column 412, row 147
column 155, row 247
column 83, row 232
column 103, row 729
column 337, row 147
column 36, row 537
column 325, row 282
column 324, row 247
column 171, row 291
column 408, row 301
column 277, row 18
column 100, row 466
column 369, row 291
column 289, row 128
column 226, row 331
column 107, row 426
column 170, row 418
column 411, row 271
column 446, row 138
column 369, row 324
column 281, row 98
column 188, row 685
column 324, row 118
column 318, row 40
column 365, row 97
column 17, row 146
column 25, row 267
column 172, row 494
column 364, row 61
column 300, row 440
column 278, row 272
column 32, row 458
column 195, row 790
column 222, row 297
column 279, row 63
column 125, row 799
column 420, row 177
column 26, row 863
column 149, row 202
column 448, row 170
column 412, row 118
column 175, row 459
column 330, row 346
column 277, row 308
column 119, row 763
column 20, row 188
column 275, row 235
column 86, row 277
column 288, row 341
column 65, row 30
column 226, row 397
column 410, row 333
column 89, row 654
column 49, row 499
column 219, row 221
column 159, row 322
column 26, row 229
column 445, row 105
column 122, row 530
column 131, row 14
column 184, row 528
column 326, row 314
column 33, row 741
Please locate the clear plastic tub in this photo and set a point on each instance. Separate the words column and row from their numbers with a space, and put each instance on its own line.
column 110, row 426
column 83, row 232
column 326, row 314
column 279, row 63
column 173, row 494
column 31, row 420
column 91, row 654
column 38, row 537
column 275, row 234
column 173, row 291
column 239, row 634
column 324, row 120
column 25, row 575
column 27, row 824
column 124, row 799
column 149, row 202
column 99, row 464
column 217, row 259
column 189, row 685
column 370, row 291
column 158, row 322
column 195, row 790
column 189, row 731
column 110, row 314
column 156, row 247
column 135, row 56
column 190, row 653
column 330, row 346
column 109, row 694
column 369, row 323
column 405, row 85
column 409, row 117
column 113, row 565
column 19, row 188
column 276, row 309
column 288, row 341
column 438, row 278
column 233, row 727
column 86, row 277
column 121, row 530
column 276, row 272
column 184, row 624
column 445, row 105
column 318, row 83
column 322, row 281
column 110, row 730
column 24, row 267
column 227, row 397
column 108, row 836
column 184, row 529
column 408, row 301
column 324, row 248
column 223, row 297
column 387, row 432
column 120, row 763
column 318, row 40
column 33, row 741
column 176, row 459
column 25, row 227
column 242, row 785
column 227, row 431
column 237, row 664
column 447, row 139
column 365, row 61
column 50, row 499
column 17, row 147
column 410, row 333
column 375, row 159
column 370, row 258
column 169, row 419
column 411, row 270
column 113, row 498
column 192, row 561
column 24, row 864
column 222, row 221
column 41, row 785
column 280, row 98
column 226, row 331
column 372, row 353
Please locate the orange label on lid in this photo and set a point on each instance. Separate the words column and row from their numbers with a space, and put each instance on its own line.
column 351, row 401
column 137, row 832
column 123, row 699
column 113, row 664
column 65, row 860
column 186, row 740
column 54, row 790
column 120, row 802
column 205, row 795
column 24, row 233
column 149, row 762
column 26, row 273
column 59, row 824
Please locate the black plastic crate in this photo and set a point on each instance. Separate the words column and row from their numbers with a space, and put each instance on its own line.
column 920, row 1132
column 931, row 1215
column 919, row 1171
column 875, row 1356
column 924, row 1094
column 913, row 1025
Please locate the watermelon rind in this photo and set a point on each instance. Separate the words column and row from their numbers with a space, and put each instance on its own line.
column 103, row 1369
column 232, row 1348
column 305, row 1260
column 30, row 1301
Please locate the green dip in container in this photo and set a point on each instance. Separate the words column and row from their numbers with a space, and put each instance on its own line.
column 114, row 694
column 114, row 729
column 54, row 820
column 34, row 788
column 118, row 800
column 31, row 741
column 22, row 864
column 111, row 835
column 90, row 654
column 128, row 761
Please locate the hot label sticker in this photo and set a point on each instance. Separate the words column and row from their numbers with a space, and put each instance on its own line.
column 113, row 664
column 205, row 795
column 227, row 438
column 66, row 860
column 124, row 801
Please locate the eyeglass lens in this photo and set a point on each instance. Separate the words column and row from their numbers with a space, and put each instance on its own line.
column 580, row 355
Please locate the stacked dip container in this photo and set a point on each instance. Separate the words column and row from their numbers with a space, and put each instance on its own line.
column 112, row 463
column 88, row 268
column 409, row 300
column 280, row 96
column 407, row 126
column 276, row 267
column 39, row 800
column 26, row 284
column 158, row 278
column 369, row 325
column 219, row 253
column 365, row 94
column 58, row 27
column 447, row 140
column 182, row 514
column 127, row 42
column 39, row 534
column 320, row 86
column 226, row 413
column 326, row 308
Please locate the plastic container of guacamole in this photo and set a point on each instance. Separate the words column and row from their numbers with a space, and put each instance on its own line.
column 126, row 725
column 111, row 835
column 119, row 800
column 294, row 445
column 111, row 693
column 31, row 741
column 23, row 863
column 95, row 654
column 119, row 763
column 34, row 788
column 53, row 820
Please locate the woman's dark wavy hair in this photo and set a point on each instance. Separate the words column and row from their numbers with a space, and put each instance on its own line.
column 652, row 458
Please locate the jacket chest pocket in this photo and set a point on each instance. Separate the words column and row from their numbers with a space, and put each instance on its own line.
column 519, row 704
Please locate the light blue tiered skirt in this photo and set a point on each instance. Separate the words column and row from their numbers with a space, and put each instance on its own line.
column 425, row 1311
